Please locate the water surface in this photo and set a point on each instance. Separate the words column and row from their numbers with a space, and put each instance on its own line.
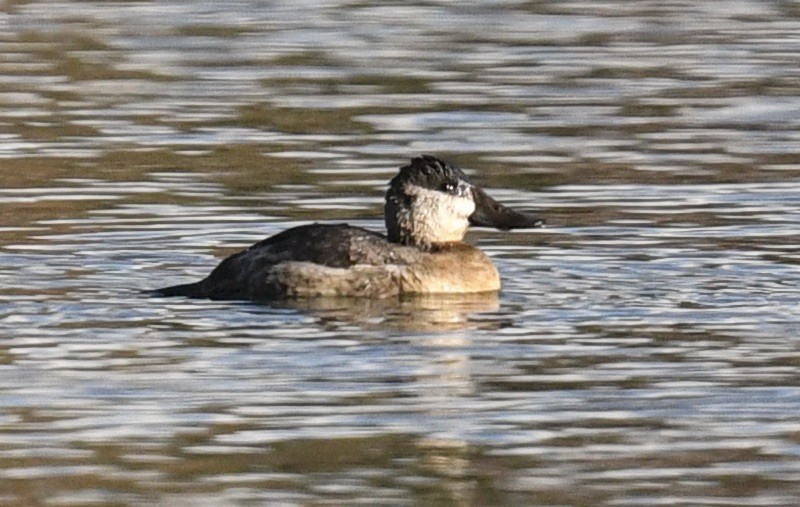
column 644, row 349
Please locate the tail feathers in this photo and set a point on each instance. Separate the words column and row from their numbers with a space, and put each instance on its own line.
column 191, row 290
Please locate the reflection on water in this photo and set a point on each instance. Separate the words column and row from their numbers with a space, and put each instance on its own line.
column 415, row 313
column 643, row 351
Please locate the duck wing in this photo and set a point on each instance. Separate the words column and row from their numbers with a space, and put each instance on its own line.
column 251, row 271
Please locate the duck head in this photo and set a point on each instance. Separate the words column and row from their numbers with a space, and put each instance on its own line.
column 431, row 202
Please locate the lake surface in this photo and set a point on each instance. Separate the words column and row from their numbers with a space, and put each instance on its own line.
column 644, row 350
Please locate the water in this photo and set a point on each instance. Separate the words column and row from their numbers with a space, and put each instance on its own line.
column 644, row 349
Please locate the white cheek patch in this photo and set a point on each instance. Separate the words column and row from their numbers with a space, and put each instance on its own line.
column 464, row 206
column 437, row 217
column 441, row 203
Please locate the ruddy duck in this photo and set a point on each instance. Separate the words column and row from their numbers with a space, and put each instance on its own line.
column 429, row 206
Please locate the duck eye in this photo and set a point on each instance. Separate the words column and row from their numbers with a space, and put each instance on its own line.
column 449, row 188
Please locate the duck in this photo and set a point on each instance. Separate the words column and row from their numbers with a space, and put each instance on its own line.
column 429, row 206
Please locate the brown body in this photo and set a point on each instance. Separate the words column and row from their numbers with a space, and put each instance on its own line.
column 457, row 270
column 340, row 260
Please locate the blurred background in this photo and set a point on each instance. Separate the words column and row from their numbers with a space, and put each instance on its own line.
column 644, row 350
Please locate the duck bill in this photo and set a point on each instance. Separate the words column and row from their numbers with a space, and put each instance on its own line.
column 490, row 213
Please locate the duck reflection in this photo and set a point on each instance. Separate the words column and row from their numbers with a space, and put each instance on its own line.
column 419, row 313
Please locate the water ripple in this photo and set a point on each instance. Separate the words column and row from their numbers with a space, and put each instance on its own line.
column 643, row 349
